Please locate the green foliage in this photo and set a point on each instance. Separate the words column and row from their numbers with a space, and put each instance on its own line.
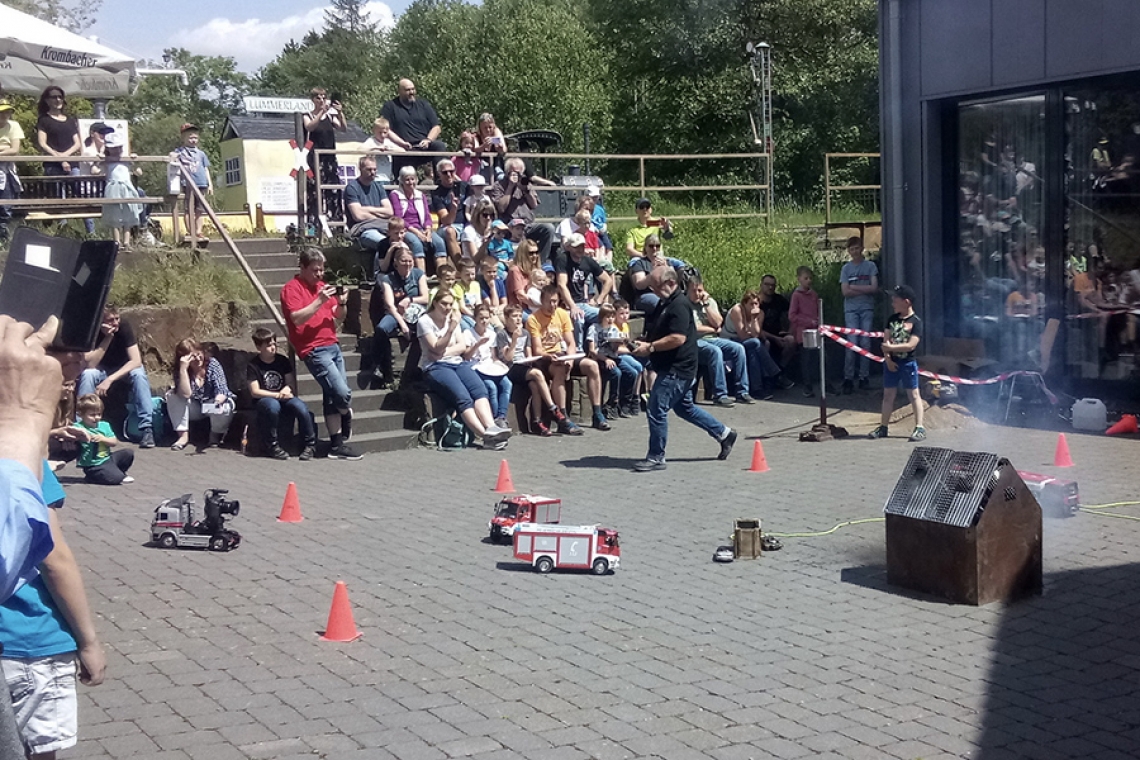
column 163, row 103
column 182, row 278
column 72, row 16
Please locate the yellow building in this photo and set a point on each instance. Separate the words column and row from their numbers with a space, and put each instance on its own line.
column 257, row 159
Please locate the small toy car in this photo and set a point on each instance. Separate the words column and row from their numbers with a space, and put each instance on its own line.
column 1058, row 497
column 515, row 510
column 174, row 526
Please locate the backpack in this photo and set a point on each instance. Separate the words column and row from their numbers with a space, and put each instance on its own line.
column 449, row 433
column 131, row 430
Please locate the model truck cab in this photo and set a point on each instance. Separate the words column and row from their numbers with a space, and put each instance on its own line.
column 514, row 510
column 174, row 526
column 577, row 547
column 1058, row 497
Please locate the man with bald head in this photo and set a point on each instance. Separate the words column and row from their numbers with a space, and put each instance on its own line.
column 413, row 125
column 671, row 345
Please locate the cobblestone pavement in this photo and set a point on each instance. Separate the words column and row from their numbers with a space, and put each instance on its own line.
column 803, row 653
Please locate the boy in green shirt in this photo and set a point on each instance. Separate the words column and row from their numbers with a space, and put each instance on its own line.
column 100, row 465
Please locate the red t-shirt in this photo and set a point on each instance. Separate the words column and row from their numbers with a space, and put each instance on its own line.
column 320, row 330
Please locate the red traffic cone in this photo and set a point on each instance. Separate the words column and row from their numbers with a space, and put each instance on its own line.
column 759, row 462
column 504, row 484
column 1061, row 457
column 1126, row 426
column 291, row 509
column 341, row 626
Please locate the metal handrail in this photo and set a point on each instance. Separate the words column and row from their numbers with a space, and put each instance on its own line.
column 829, row 188
column 641, row 188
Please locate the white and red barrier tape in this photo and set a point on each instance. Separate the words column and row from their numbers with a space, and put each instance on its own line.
column 831, row 330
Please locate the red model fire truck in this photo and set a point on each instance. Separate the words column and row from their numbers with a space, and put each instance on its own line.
column 1057, row 497
column 570, row 546
column 525, row 508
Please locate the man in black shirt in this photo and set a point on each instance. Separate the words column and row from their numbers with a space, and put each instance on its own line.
column 447, row 201
column 576, row 275
column 413, row 125
column 116, row 357
column 672, row 349
column 781, row 343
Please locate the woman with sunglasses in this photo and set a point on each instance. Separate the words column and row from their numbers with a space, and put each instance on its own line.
column 446, row 362
column 527, row 258
column 477, row 234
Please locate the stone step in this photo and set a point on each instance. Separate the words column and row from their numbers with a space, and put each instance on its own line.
column 249, row 246
column 259, row 261
column 394, row 440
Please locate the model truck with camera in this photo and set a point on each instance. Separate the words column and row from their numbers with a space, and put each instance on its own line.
column 1057, row 497
column 174, row 525
column 577, row 547
column 515, row 510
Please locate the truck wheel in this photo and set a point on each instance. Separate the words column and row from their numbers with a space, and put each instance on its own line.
column 167, row 541
column 600, row 566
column 496, row 534
column 544, row 564
column 218, row 544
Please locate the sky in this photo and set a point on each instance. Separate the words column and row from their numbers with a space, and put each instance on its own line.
column 251, row 32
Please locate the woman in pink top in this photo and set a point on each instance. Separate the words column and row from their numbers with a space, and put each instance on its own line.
column 467, row 164
column 803, row 314
column 410, row 204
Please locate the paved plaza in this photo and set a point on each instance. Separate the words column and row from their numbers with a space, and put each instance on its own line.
column 806, row 652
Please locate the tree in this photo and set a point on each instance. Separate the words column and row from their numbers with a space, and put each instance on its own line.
column 350, row 15
column 74, row 16
column 162, row 104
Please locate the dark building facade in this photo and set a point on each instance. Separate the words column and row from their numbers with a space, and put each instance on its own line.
column 1011, row 178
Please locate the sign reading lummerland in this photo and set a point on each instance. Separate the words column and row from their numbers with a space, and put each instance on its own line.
column 255, row 104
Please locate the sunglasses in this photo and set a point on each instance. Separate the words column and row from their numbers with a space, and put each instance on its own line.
column 487, row 216
column 447, row 171
column 653, row 248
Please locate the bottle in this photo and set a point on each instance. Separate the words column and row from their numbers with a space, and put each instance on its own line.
column 244, row 438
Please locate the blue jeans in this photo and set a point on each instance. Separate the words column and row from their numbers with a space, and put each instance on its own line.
column 646, row 301
column 713, row 354
column 140, row 390
column 671, row 392
column 621, row 380
column 386, row 329
column 498, row 393
column 860, row 320
column 269, row 420
column 760, row 363
column 417, row 245
column 326, row 364
column 370, row 240
column 582, row 326
column 458, row 384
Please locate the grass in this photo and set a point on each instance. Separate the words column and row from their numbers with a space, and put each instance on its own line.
column 184, row 279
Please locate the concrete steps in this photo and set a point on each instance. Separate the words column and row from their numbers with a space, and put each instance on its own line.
column 381, row 420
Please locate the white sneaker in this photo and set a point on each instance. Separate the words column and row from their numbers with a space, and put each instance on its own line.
column 127, row 479
column 495, row 430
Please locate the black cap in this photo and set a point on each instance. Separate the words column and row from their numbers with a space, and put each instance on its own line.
column 643, row 203
column 905, row 292
column 101, row 128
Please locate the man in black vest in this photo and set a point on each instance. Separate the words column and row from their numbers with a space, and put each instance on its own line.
column 671, row 346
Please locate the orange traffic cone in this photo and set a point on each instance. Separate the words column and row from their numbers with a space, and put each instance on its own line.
column 759, row 462
column 1126, row 426
column 291, row 509
column 341, row 626
column 1061, row 457
column 504, row 484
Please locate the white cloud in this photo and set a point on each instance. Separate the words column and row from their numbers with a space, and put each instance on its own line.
column 255, row 42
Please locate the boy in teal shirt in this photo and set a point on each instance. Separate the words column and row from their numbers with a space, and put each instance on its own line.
column 101, row 465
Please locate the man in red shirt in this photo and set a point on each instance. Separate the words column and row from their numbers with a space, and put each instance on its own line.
column 311, row 308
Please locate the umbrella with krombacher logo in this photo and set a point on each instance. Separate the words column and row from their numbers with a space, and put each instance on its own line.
column 35, row 54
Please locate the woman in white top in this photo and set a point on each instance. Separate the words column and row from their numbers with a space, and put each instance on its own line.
column 478, row 232
column 447, row 367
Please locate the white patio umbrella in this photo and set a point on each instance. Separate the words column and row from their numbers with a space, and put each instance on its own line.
column 35, row 54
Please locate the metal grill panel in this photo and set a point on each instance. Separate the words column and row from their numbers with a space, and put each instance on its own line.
column 944, row 486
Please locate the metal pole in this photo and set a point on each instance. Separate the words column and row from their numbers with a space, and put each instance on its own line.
column 826, row 189
column 641, row 169
column 822, row 371
column 586, row 145
column 299, row 132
